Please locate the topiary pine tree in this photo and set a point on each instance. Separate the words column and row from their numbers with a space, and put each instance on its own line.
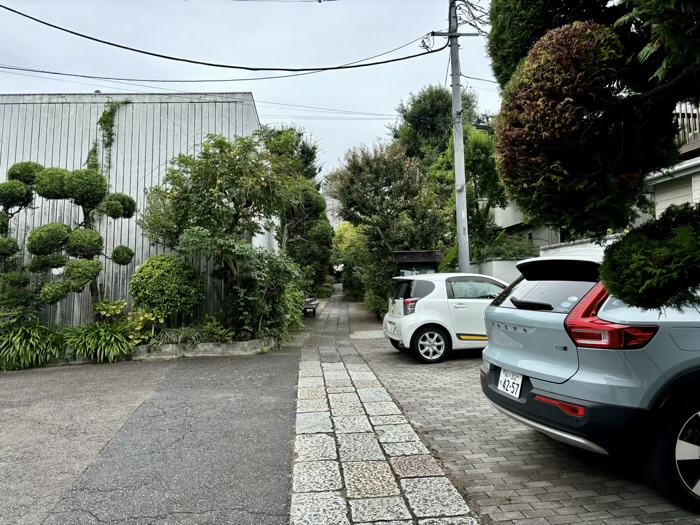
column 55, row 245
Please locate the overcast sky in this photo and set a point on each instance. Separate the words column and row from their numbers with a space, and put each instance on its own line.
column 257, row 33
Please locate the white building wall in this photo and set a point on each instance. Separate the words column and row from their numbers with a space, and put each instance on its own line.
column 59, row 130
column 674, row 191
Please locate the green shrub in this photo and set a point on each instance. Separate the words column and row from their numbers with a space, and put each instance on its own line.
column 54, row 292
column 81, row 272
column 166, row 284
column 103, row 341
column 50, row 183
column 16, row 279
column 214, row 332
column 24, row 172
column 657, row 264
column 109, row 309
column 325, row 291
column 185, row 335
column 87, row 188
column 48, row 239
column 8, row 247
column 84, row 244
column 112, row 209
column 126, row 206
column 122, row 255
column 26, row 346
column 15, row 194
column 43, row 263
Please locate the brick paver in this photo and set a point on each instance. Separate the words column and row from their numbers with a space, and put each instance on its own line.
column 510, row 475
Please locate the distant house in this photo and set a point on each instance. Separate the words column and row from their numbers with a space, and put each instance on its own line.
column 59, row 130
column 681, row 183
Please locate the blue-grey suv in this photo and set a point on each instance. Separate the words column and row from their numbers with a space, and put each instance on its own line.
column 584, row 368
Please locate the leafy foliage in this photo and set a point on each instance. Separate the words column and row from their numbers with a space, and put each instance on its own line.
column 87, row 188
column 43, row 263
column 564, row 162
column 110, row 309
column 107, row 120
column 24, row 172
column 166, row 284
column 657, row 264
column 81, row 272
column 228, row 188
column 8, row 247
column 50, row 183
column 48, row 239
column 15, row 194
column 122, row 255
column 119, row 206
column 102, row 341
column 425, row 126
column 27, row 346
column 16, row 279
column 54, row 292
column 84, row 243
column 509, row 247
column 210, row 332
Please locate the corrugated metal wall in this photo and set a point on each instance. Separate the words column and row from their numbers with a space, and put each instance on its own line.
column 59, row 130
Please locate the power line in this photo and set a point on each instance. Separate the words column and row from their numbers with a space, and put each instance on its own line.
column 213, row 64
column 481, row 79
column 197, row 81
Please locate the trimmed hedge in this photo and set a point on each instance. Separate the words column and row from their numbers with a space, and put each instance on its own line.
column 15, row 194
column 24, row 172
column 50, row 183
column 84, row 244
column 87, row 188
column 48, row 239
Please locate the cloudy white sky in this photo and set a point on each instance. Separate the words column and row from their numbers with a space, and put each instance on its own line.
column 257, row 33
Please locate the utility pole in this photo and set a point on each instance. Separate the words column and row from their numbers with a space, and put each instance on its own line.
column 458, row 121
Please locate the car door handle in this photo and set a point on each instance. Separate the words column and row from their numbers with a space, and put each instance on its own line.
column 460, row 306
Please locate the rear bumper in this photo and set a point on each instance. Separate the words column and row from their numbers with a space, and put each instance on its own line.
column 603, row 429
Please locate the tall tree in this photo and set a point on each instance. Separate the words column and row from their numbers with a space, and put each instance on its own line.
column 588, row 110
column 425, row 122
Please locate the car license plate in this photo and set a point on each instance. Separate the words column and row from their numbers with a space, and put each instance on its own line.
column 391, row 327
column 510, row 382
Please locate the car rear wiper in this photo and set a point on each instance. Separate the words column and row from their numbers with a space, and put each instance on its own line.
column 530, row 305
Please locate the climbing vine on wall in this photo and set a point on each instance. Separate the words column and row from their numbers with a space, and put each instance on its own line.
column 106, row 125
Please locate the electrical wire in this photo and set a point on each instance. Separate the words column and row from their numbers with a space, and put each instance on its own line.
column 213, row 64
column 197, row 81
column 481, row 79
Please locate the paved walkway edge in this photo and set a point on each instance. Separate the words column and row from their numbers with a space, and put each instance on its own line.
column 357, row 458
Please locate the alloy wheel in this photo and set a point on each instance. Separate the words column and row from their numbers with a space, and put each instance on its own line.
column 431, row 345
column 688, row 454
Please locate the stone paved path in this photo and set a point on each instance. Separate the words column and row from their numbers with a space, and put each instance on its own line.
column 511, row 475
column 357, row 459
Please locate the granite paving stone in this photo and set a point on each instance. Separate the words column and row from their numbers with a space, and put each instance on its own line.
column 415, row 466
column 315, row 447
column 338, row 382
column 312, row 405
column 329, row 508
column 310, row 382
column 373, row 395
column 316, row 392
column 411, row 448
column 316, row 476
column 369, row 479
column 313, row 422
column 372, row 383
column 450, row 521
column 433, row 497
column 351, row 424
column 395, row 433
column 340, row 389
column 388, row 420
column 382, row 409
column 359, row 447
column 378, row 509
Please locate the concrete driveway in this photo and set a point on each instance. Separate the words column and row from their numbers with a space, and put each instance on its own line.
column 179, row 442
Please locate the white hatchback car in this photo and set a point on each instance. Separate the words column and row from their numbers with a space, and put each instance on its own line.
column 434, row 313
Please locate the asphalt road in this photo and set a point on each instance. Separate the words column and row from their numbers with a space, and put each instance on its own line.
column 185, row 442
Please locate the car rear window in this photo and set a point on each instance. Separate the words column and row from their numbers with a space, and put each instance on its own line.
column 403, row 289
column 421, row 289
column 560, row 296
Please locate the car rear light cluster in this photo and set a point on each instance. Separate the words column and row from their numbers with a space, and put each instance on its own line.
column 588, row 331
column 567, row 408
column 409, row 306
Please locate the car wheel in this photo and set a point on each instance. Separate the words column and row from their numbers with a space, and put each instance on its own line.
column 674, row 461
column 397, row 344
column 431, row 344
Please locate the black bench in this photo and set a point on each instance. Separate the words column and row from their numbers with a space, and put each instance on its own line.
column 310, row 305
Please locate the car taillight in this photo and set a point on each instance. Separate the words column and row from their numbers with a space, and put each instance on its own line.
column 588, row 331
column 409, row 306
column 567, row 408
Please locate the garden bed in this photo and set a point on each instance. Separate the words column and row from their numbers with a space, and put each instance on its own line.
column 173, row 351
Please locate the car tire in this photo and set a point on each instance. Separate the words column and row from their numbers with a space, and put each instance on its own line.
column 674, row 460
column 398, row 345
column 431, row 344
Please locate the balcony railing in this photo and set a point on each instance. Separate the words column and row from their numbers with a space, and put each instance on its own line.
column 689, row 132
